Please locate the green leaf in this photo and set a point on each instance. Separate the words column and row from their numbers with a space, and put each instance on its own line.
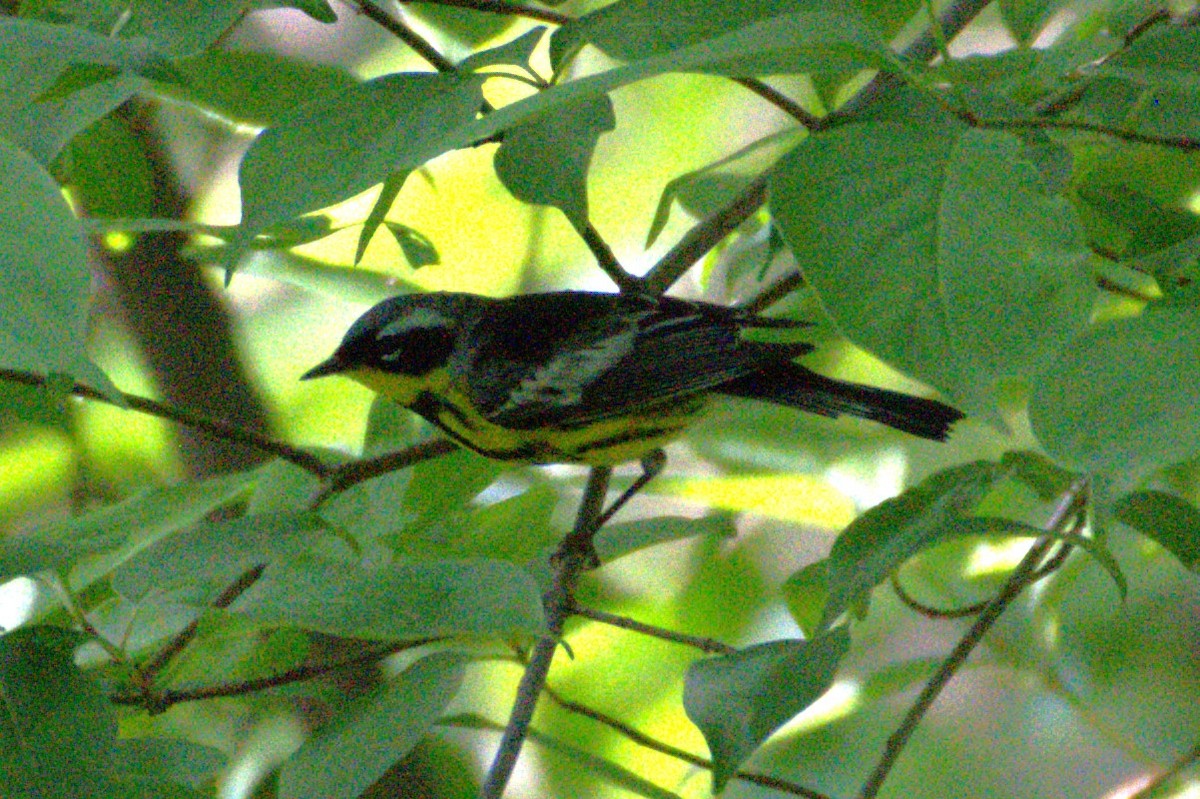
column 197, row 562
column 1124, row 397
column 880, row 540
column 403, row 600
column 330, row 149
column 738, row 700
column 319, row 10
column 546, row 162
column 1025, row 18
column 463, row 24
column 806, row 593
column 383, row 204
column 349, row 754
column 107, row 165
column 126, row 527
column 776, row 36
column 45, row 281
column 418, row 250
column 256, row 88
column 621, row 539
column 944, row 258
column 57, row 728
column 515, row 53
column 1168, row 520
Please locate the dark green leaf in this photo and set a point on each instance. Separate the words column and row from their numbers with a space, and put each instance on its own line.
column 880, row 540
column 403, row 600
column 346, row 756
column 546, row 162
column 1124, row 397
column 464, row 24
column 57, row 728
column 944, row 258
column 107, row 165
column 1170, row 521
column 418, row 250
column 1037, row 472
column 738, row 700
column 383, row 204
column 1025, row 18
column 515, row 53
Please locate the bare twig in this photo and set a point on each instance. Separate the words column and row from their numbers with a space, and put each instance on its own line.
column 781, row 101
column 1185, row 761
column 215, row 427
column 709, row 645
column 405, row 34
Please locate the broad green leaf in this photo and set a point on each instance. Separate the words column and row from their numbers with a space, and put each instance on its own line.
column 545, row 162
column 328, row 150
column 403, row 600
column 169, row 759
column 463, row 24
column 793, row 35
column 1170, row 521
column 880, row 540
column 375, row 731
column 45, row 281
column 1124, row 396
column 944, row 258
column 195, row 563
column 126, row 527
column 1165, row 56
column 107, row 166
column 738, row 700
column 253, row 87
column 57, row 728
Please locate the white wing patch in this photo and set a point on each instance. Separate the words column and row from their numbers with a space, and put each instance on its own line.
column 414, row 319
column 560, row 382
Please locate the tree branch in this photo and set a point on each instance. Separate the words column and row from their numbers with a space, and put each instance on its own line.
column 708, row 645
column 1068, row 512
column 573, row 556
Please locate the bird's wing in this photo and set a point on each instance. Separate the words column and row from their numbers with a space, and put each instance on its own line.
column 574, row 357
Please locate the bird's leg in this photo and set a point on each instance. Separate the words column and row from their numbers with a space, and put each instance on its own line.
column 652, row 466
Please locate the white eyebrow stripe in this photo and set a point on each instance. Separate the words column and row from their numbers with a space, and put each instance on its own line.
column 413, row 320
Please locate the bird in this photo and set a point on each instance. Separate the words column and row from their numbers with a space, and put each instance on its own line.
column 592, row 378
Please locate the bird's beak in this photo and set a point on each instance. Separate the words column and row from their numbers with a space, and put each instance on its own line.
column 330, row 366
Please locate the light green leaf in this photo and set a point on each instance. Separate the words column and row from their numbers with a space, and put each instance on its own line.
column 45, row 281
column 1124, row 397
column 403, row 600
column 1170, row 521
column 330, row 149
column 738, row 700
column 945, row 258
column 349, row 754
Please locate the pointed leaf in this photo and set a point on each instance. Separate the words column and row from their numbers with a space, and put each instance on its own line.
column 738, row 700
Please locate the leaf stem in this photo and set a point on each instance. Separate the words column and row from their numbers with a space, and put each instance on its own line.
column 708, row 645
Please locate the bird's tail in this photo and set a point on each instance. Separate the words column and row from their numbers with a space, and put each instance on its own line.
column 793, row 385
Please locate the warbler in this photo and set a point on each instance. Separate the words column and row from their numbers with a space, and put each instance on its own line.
column 591, row 378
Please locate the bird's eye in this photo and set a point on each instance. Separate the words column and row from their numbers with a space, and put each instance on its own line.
column 416, row 350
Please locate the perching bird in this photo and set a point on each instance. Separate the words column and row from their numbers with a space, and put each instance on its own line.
column 597, row 379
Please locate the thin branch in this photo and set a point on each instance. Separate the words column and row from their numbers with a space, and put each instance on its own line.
column 709, row 645
column 704, row 236
column 160, row 702
column 176, row 645
column 504, row 7
column 1025, row 574
column 574, row 555
column 641, row 739
column 1186, row 760
column 781, row 101
column 355, row 472
column 405, row 34
column 607, row 261
column 1185, row 143
column 215, row 427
